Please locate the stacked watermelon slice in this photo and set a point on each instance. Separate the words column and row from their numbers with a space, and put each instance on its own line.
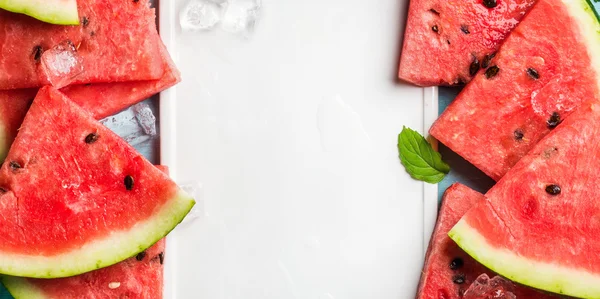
column 529, row 118
column 79, row 205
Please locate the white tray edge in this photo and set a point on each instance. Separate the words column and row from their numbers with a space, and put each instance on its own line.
column 430, row 191
column 168, row 148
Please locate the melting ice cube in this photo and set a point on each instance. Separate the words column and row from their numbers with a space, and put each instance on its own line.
column 60, row 65
column 494, row 288
column 194, row 189
column 241, row 16
column 201, row 14
column 136, row 125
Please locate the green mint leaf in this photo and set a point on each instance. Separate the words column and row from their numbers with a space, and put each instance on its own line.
column 419, row 159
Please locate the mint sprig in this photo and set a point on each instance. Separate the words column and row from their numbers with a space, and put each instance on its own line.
column 419, row 159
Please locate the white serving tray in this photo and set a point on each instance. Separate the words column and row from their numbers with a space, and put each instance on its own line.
column 292, row 132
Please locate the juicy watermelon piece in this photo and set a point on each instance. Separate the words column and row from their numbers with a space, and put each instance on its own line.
column 77, row 197
column 13, row 107
column 137, row 277
column 545, row 69
column 448, row 270
column 446, row 42
column 100, row 99
column 116, row 41
column 539, row 224
column 63, row 12
column 104, row 99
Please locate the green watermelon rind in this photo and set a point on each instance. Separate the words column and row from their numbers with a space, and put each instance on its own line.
column 550, row 277
column 102, row 253
column 59, row 12
column 20, row 288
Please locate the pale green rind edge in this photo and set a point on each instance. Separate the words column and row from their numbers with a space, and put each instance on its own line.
column 101, row 253
column 20, row 288
column 582, row 11
column 550, row 277
column 59, row 12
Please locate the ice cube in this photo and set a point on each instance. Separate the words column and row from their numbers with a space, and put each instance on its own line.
column 194, row 189
column 140, row 134
column 60, row 65
column 145, row 118
column 494, row 288
column 240, row 16
column 201, row 14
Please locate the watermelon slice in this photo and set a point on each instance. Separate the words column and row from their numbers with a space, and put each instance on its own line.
column 448, row 270
column 539, row 224
column 446, row 42
column 116, row 41
column 543, row 71
column 137, row 277
column 77, row 197
column 63, row 12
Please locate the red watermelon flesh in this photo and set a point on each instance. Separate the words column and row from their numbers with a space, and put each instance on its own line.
column 138, row 277
column 446, row 42
column 539, row 224
column 76, row 196
column 104, row 99
column 541, row 78
column 100, row 99
column 115, row 41
column 448, row 271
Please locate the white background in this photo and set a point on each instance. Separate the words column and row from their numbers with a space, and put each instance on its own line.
column 292, row 133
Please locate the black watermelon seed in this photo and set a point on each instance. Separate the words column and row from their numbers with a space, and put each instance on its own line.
column 474, row 67
column 128, row 182
column 492, row 71
column 456, row 263
column 140, row 256
column 435, row 28
column 490, row 3
column 14, row 165
column 3, row 190
column 553, row 121
column 92, row 33
column 448, row 41
column 458, row 278
column 533, row 73
column 465, row 29
column 136, row 1
column 91, row 138
column 161, row 257
column 553, row 189
column 486, row 60
column 434, row 11
column 518, row 133
column 37, row 53
column 85, row 22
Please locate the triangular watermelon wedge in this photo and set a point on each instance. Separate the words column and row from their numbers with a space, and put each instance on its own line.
column 76, row 197
column 539, row 224
column 545, row 69
column 100, row 99
column 115, row 42
column 448, row 271
column 447, row 41
column 136, row 277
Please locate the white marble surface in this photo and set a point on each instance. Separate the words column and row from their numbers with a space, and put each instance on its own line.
column 291, row 131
